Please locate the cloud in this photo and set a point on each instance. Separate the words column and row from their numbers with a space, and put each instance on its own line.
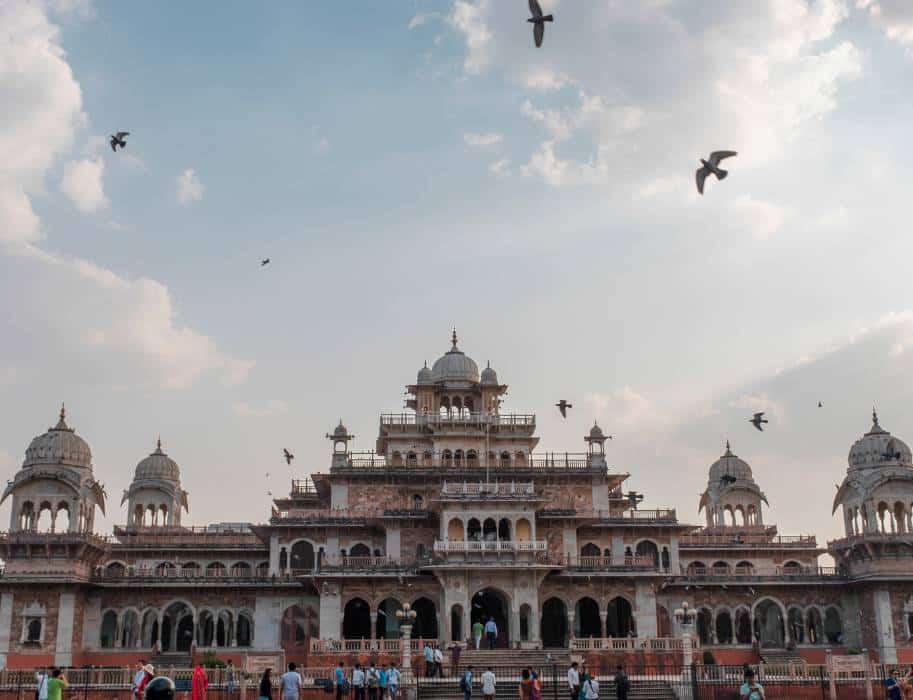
column 468, row 19
column 500, row 167
column 894, row 17
column 264, row 409
column 489, row 138
column 625, row 408
column 130, row 326
column 422, row 18
column 82, row 184
column 762, row 219
column 189, row 187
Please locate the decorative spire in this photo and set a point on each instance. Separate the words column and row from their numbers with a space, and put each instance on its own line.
column 875, row 418
column 158, row 446
column 453, row 337
column 62, row 423
column 728, row 450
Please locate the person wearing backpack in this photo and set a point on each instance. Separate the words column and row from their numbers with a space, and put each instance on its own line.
column 622, row 684
column 373, row 681
column 466, row 683
column 591, row 688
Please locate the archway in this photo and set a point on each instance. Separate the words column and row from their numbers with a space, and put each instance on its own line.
column 814, row 627
column 796, row 625
column 646, row 548
column 489, row 530
column 425, row 626
column 704, row 626
column 108, row 629
column 206, row 629
column 554, row 623
column 455, row 530
column 356, row 620
column 587, row 622
column 619, row 620
column 177, row 627
column 769, row 625
column 302, row 556
column 524, row 531
column 723, row 627
column 743, row 626
column 129, row 630
column 525, row 613
column 474, row 530
column 387, row 626
column 360, row 550
column 833, row 626
column 245, row 630
column 492, row 604
column 456, row 623
column 297, row 625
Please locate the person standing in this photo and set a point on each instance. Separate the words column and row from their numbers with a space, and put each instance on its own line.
column 199, row 682
column 491, row 632
column 466, row 683
column 455, row 651
column 266, row 685
column 488, row 684
column 428, row 653
column 382, row 682
column 751, row 690
column 137, row 678
column 230, row 677
column 393, row 681
column 148, row 675
column 590, row 688
column 438, row 662
column 358, row 682
column 41, row 690
column 573, row 681
column 525, row 691
column 622, row 684
column 57, row 683
column 290, row 683
column 339, row 677
column 373, row 681
column 477, row 629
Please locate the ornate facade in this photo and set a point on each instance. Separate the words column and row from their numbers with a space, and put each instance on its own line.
column 455, row 513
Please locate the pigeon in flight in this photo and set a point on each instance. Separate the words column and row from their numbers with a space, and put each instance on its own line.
column 727, row 479
column 269, row 493
column 538, row 20
column 119, row 139
column 711, row 166
column 758, row 420
column 288, row 456
column 820, row 404
column 563, row 406
column 264, row 262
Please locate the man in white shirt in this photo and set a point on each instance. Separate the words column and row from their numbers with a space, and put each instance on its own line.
column 488, row 684
column 439, row 662
column 42, row 679
column 573, row 681
column 393, row 677
column 290, row 684
column 358, row 682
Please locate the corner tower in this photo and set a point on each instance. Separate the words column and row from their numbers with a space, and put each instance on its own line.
column 155, row 497
column 731, row 491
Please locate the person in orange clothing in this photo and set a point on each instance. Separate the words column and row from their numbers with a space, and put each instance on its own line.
column 198, row 684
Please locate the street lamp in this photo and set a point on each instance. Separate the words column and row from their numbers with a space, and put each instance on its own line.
column 406, row 616
column 685, row 617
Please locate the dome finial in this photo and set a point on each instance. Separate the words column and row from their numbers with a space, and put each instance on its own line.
column 453, row 337
column 63, row 411
column 875, row 418
column 62, row 423
column 728, row 450
column 158, row 443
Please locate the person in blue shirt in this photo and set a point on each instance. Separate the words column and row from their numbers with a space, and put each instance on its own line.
column 466, row 683
column 491, row 631
column 382, row 682
column 340, row 678
column 428, row 653
column 892, row 685
column 751, row 689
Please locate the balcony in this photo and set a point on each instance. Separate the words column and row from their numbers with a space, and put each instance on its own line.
column 632, row 644
column 600, row 563
column 495, row 547
column 776, row 574
column 362, row 565
column 548, row 463
column 406, row 422
column 612, row 517
column 748, row 540
column 481, row 489
column 187, row 537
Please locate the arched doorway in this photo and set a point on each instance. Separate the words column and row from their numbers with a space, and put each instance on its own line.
column 108, row 629
column 425, row 626
column 492, row 604
column 769, row 625
column 177, row 627
column 387, row 624
column 302, row 556
column 554, row 623
column 646, row 548
column 742, row 626
column 704, row 626
column 619, row 619
column 356, row 620
column 587, row 623
column 456, row 623
column 298, row 624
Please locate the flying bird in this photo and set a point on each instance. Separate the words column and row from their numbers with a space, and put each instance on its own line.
column 820, row 404
column 538, row 20
column 727, row 479
column 264, row 262
column 563, row 406
column 269, row 493
column 119, row 140
column 711, row 166
column 288, row 456
column 758, row 420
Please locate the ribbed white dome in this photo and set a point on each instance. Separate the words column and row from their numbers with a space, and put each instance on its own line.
column 59, row 445
column 730, row 465
column 455, row 366
column 424, row 375
column 158, row 465
column 878, row 448
column 489, row 376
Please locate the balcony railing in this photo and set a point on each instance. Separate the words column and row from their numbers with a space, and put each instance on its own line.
column 482, row 547
column 130, row 574
column 189, row 536
column 303, row 487
column 480, row 488
column 776, row 573
column 546, row 462
column 749, row 540
column 365, row 564
column 35, row 538
column 631, row 515
column 630, row 644
column 601, row 563
column 520, row 420
column 355, row 646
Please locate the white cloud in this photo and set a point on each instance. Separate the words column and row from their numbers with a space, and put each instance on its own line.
column 762, row 219
column 468, row 18
column 82, row 184
column 489, row 138
column 624, row 408
column 189, row 187
column 263, row 409
column 500, row 167
column 422, row 18
column 895, row 17
column 131, row 325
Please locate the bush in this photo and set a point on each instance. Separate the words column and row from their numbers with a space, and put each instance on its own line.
column 210, row 660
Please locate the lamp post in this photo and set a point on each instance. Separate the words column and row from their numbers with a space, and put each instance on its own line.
column 685, row 617
column 406, row 616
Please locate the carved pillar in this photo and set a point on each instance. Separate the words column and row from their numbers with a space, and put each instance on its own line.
column 373, row 616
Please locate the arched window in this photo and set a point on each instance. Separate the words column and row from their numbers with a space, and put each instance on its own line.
column 833, row 626
column 418, row 503
column 34, row 631
column 387, row 626
column 458, row 458
column 215, row 569
column 524, row 530
column 166, row 568
column 356, row 620
column 646, row 548
column 587, row 622
column 554, row 624
column 115, row 570
column 723, row 627
column 455, row 530
column 412, row 459
column 129, row 630
column 447, row 456
column 108, row 629
column 474, row 530
column 796, row 624
column 705, row 626
column 589, row 550
column 360, row 550
column 743, row 626
column 245, row 630
column 489, row 530
column 791, row 568
column 472, row 459
column 744, row 568
column 769, row 626
column 814, row 626
column 697, row 568
column 425, row 626
column 619, row 620
column 504, row 530
column 720, row 568
column 505, row 459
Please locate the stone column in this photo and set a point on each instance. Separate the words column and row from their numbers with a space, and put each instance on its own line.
column 603, row 615
column 274, row 555
column 645, row 609
column 570, row 623
column 373, row 616
column 514, row 631
column 618, row 550
column 405, row 643
column 65, row 616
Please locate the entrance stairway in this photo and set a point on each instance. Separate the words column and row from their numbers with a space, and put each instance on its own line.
column 517, row 658
column 449, row 689
column 169, row 659
column 781, row 657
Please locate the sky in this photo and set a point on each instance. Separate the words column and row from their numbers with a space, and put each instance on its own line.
column 414, row 165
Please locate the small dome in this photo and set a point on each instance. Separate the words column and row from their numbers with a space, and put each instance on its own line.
column 730, row 465
column 455, row 366
column 596, row 432
column 424, row 375
column 59, row 445
column 340, row 431
column 158, row 465
column 878, row 448
column 489, row 376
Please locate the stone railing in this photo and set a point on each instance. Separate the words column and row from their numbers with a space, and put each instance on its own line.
column 631, row 644
column 775, row 573
column 747, row 540
column 628, row 516
column 602, row 563
column 482, row 547
column 405, row 420
column 482, row 488
column 356, row 646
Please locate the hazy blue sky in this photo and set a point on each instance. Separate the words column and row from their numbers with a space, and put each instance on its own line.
column 412, row 165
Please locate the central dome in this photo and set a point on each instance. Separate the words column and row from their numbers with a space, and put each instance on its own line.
column 455, row 366
column 158, row 465
column 59, row 445
column 730, row 465
column 878, row 448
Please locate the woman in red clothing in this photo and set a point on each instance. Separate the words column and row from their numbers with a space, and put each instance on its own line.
column 148, row 674
column 198, row 684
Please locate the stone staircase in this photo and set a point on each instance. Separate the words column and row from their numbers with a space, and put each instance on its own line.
column 448, row 689
column 782, row 657
column 517, row 658
column 168, row 660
